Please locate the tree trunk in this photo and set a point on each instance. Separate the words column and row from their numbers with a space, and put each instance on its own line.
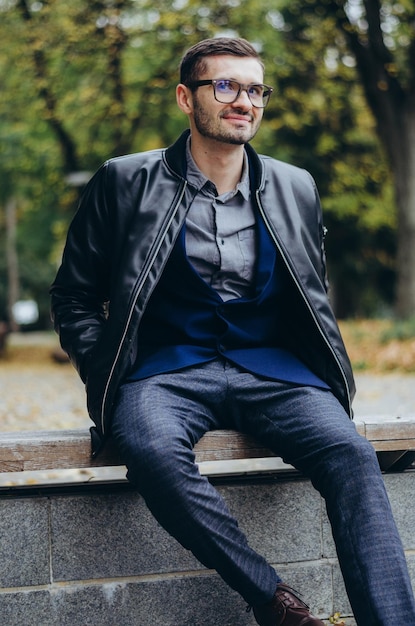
column 392, row 102
column 46, row 94
column 404, row 178
column 12, row 261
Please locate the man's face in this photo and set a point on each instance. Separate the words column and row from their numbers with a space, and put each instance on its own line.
column 235, row 123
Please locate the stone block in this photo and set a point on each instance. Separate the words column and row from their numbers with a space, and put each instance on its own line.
column 328, row 547
column 183, row 601
column 282, row 520
column 111, row 535
column 313, row 581
column 410, row 558
column 27, row 608
column 201, row 599
column 341, row 602
column 99, row 536
column 24, row 545
column 401, row 491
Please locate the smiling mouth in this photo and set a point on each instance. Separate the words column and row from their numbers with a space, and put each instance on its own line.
column 237, row 114
column 238, row 118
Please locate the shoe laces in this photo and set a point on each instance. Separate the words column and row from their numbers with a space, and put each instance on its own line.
column 297, row 594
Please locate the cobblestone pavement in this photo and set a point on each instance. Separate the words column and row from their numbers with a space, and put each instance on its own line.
column 40, row 397
column 51, row 396
column 43, row 399
column 386, row 395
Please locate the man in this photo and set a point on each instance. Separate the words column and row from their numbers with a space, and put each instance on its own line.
column 192, row 295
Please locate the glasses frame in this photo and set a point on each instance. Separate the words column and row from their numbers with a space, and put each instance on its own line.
column 241, row 87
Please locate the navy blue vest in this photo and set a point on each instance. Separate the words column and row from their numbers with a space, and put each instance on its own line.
column 186, row 322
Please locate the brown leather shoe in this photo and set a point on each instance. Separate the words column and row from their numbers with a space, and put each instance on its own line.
column 285, row 609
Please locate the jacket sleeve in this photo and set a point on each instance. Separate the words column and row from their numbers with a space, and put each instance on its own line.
column 80, row 292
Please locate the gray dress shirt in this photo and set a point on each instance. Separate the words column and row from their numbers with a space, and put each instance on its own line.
column 220, row 234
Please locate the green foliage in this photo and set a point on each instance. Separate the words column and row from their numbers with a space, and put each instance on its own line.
column 92, row 80
column 320, row 121
column 400, row 330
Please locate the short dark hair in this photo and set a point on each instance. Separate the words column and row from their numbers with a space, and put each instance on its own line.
column 193, row 62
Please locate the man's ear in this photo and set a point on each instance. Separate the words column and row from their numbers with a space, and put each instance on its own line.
column 184, row 99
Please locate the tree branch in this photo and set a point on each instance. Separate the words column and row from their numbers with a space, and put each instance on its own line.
column 384, row 92
column 45, row 93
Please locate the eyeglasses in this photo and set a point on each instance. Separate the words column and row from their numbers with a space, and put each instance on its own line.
column 227, row 91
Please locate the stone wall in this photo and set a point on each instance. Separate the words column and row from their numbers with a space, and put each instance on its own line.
column 96, row 557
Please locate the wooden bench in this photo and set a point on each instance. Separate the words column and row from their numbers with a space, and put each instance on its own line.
column 63, row 457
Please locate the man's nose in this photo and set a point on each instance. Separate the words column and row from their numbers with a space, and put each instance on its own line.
column 243, row 100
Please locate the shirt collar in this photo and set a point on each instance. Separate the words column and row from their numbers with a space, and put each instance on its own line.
column 199, row 180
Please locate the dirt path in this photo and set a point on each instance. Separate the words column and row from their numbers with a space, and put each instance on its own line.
column 52, row 397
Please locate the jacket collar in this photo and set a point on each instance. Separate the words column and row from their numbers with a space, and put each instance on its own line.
column 176, row 158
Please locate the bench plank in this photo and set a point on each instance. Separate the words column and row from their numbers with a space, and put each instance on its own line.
column 390, row 431
column 69, row 449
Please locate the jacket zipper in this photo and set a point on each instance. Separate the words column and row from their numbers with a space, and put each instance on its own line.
column 300, row 289
column 144, row 276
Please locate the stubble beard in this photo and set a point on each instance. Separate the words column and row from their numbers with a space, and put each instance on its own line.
column 208, row 127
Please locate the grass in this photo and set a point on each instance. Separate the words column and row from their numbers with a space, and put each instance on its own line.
column 380, row 345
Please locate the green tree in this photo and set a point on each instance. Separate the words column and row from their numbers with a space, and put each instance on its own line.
column 381, row 37
column 92, row 80
column 319, row 120
column 89, row 81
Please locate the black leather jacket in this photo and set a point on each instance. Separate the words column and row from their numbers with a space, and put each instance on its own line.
column 120, row 239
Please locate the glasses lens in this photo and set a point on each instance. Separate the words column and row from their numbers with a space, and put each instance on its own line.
column 266, row 94
column 256, row 95
column 226, row 91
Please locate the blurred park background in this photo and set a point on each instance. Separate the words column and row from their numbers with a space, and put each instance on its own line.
column 84, row 81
